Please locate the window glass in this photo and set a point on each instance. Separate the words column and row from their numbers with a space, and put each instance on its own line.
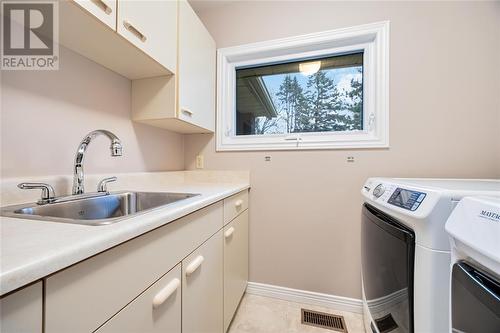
column 313, row 95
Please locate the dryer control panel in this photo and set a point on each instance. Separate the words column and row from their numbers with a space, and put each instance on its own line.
column 406, row 199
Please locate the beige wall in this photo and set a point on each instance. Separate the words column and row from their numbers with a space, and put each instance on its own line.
column 45, row 114
column 444, row 122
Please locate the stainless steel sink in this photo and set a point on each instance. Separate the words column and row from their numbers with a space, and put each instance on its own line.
column 99, row 210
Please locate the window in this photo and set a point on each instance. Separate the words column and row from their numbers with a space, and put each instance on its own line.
column 318, row 91
column 313, row 95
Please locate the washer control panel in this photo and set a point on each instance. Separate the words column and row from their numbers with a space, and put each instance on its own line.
column 382, row 191
column 379, row 190
column 406, row 199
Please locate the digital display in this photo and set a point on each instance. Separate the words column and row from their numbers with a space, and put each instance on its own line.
column 406, row 199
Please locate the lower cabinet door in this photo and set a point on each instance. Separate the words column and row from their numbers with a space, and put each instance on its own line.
column 21, row 311
column 157, row 309
column 202, row 288
column 235, row 265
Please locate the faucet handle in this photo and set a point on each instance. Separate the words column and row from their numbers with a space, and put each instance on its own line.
column 102, row 186
column 48, row 194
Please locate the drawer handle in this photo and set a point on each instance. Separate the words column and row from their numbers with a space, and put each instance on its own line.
column 134, row 30
column 238, row 204
column 194, row 265
column 188, row 112
column 102, row 5
column 165, row 293
column 229, row 232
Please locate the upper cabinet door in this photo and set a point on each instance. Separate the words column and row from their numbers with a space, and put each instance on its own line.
column 104, row 10
column 151, row 25
column 196, row 79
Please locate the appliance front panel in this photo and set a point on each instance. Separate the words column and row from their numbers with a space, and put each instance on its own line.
column 388, row 251
column 475, row 298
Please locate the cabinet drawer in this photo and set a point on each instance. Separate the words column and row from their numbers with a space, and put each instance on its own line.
column 156, row 310
column 202, row 288
column 151, row 25
column 235, row 265
column 84, row 296
column 104, row 10
column 21, row 311
column 234, row 205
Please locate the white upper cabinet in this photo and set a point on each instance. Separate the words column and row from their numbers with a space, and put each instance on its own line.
column 151, row 25
column 197, row 58
column 135, row 38
column 161, row 45
column 184, row 103
column 104, row 10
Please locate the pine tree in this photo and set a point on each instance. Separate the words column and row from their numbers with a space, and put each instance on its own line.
column 291, row 100
column 285, row 97
column 356, row 105
column 320, row 107
column 303, row 122
column 325, row 103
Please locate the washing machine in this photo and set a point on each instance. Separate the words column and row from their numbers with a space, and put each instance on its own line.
column 474, row 229
column 406, row 252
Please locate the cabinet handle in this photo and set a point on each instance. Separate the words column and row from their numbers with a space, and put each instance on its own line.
column 238, row 204
column 165, row 293
column 102, row 5
column 134, row 30
column 194, row 265
column 229, row 232
column 187, row 111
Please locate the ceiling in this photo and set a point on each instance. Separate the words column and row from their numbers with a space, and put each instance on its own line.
column 204, row 5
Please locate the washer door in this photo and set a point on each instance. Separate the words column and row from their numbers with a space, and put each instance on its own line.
column 475, row 298
column 388, row 252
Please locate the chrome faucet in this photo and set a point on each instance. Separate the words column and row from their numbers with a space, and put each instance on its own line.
column 116, row 150
column 48, row 194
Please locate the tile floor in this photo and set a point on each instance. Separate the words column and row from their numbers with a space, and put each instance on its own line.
column 258, row 314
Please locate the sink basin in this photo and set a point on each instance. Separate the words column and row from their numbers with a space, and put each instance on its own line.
column 98, row 210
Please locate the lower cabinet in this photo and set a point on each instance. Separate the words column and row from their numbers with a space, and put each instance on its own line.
column 187, row 276
column 235, row 264
column 156, row 310
column 82, row 297
column 202, row 288
column 22, row 311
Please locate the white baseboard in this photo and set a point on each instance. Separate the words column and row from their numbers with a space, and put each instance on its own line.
column 390, row 301
column 333, row 302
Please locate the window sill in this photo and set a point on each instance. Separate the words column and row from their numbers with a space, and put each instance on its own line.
column 355, row 140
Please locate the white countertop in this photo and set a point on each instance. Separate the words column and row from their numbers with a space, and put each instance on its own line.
column 32, row 249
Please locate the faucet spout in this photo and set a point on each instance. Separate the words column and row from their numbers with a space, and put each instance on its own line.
column 78, row 175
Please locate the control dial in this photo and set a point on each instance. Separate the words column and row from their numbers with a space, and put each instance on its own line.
column 379, row 190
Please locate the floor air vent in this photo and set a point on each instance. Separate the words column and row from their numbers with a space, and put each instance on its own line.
column 386, row 324
column 324, row 320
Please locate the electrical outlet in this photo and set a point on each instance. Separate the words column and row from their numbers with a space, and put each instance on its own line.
column 200, row 162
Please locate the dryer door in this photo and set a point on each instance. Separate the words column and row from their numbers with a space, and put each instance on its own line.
column 475, row 299
column 388, row 251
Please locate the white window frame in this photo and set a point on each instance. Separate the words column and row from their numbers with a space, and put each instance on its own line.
column 372, row 39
